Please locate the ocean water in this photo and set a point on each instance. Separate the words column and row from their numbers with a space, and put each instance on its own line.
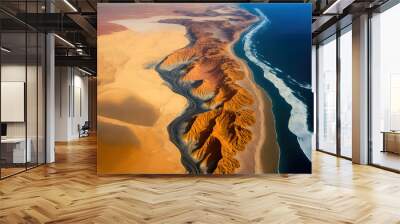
column 278, row 51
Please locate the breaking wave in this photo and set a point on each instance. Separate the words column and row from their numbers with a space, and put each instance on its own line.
column 298, row 114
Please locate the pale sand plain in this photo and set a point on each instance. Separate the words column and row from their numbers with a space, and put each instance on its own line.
column 135, row 103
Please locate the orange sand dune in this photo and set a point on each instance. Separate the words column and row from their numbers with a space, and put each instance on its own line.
column 216, row 136
column 181, row 56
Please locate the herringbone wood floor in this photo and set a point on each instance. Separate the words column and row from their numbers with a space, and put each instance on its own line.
column 69, row 191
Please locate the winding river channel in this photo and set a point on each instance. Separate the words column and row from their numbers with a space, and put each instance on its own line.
column 177, row 126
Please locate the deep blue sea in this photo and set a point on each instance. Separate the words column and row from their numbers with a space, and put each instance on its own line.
column 278, row 51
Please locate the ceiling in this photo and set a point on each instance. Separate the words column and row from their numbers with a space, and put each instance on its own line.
column 75, row 22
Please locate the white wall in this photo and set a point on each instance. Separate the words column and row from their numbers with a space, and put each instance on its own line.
column 71, row 102
column 11, row 73
column 80, row 110
column 16, row 73
column 33, row 127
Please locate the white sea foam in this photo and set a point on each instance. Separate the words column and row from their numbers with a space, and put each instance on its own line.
column 276, row 70
column 298, row 114
column 304, row 86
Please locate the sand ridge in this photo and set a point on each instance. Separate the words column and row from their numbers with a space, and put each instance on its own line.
column 216, row 137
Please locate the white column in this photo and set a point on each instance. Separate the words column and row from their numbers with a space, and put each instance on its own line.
column 50, row 92
column 50, row 98
column 360, row 90
column 63, row 100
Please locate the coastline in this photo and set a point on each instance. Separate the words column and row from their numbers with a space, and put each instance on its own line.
column 289, row 111
column 263, row 147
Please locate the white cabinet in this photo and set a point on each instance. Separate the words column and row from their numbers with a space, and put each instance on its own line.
column 17, row 146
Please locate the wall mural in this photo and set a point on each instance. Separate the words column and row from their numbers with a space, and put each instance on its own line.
column 204, row 88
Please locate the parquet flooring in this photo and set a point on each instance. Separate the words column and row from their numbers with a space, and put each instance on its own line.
column 69, row 191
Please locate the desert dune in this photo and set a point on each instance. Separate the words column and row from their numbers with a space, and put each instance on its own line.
column 227, row 126
column 216, row 137
column 135, row 105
